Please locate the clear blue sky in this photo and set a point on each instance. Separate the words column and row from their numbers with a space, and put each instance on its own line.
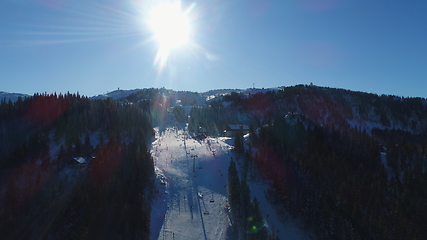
column 93, row 47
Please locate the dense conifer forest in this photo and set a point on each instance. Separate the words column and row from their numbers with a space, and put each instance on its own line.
column 47, row 194
column 342, row 182
column 346, row 165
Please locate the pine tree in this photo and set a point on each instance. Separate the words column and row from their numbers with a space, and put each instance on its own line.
column 233, row 187
column 238, row 142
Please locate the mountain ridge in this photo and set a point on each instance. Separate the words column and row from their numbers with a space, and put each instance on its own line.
column 12, row 96
column 333, row 107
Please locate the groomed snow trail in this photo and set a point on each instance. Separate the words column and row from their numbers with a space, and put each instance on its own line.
column 193, row 180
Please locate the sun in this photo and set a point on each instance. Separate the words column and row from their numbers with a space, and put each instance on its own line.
column 170, row 25
column 171, row 28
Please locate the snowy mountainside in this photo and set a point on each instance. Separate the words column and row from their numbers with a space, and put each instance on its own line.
column 243, row 91
column 338, row 108
column 307, row 156
column 117, row 94
column 12, row 96
column 43, row 136
column 186, row 97
column 218, row 94
column 193, row 201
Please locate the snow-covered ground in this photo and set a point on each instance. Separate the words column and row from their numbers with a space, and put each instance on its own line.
column 193, row 200
column 116, row 94
column 192, row 180
column 12, row 96
column 284, row 230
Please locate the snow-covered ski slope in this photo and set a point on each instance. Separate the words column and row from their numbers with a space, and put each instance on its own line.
column 192, row 179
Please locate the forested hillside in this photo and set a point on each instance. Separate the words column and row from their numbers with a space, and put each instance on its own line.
column 341, row 181
column 47, row 194
column 328, row 107
column 345, row 164
column 349, row 165
column 345, row 184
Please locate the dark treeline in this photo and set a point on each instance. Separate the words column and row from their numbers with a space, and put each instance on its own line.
column 328, row 107
column 326, row 162
column 208, row 118
column 345, row 184
column 248, row 222
column 342, row 182
column 46, row 194
column 163, row 102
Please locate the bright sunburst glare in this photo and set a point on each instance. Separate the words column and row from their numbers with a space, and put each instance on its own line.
column 170, row 24
column 171, row 27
